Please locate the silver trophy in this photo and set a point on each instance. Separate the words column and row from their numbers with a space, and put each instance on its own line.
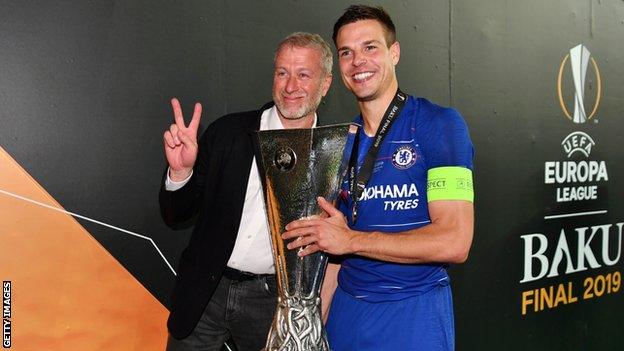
column 299, row 165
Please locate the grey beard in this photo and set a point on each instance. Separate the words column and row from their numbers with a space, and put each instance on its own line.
column 301, row 112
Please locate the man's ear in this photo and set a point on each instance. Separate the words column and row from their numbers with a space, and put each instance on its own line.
column 395, row 51
column 326, row 84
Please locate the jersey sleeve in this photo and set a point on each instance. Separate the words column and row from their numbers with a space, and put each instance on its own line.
column 446, row 140
column 448, row 155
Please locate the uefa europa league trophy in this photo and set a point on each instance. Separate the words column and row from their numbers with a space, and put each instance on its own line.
column 299, row 165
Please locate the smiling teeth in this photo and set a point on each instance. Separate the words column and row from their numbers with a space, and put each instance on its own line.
column 362, row 76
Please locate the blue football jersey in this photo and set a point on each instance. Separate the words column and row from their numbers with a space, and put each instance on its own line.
column 423, row 136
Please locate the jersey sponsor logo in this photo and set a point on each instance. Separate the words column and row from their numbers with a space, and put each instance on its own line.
column 404, row 157
column 394, row 196
column 392, row 191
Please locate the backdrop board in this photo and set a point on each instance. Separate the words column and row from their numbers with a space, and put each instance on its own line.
column 84, row 100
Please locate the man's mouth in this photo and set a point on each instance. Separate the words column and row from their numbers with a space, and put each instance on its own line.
column 292, row 98
column 362, row 77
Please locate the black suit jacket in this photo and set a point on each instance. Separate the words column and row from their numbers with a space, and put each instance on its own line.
column 216, row 193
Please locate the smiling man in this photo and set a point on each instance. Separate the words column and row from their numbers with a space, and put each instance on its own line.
column 406, row 210
column 226, row 284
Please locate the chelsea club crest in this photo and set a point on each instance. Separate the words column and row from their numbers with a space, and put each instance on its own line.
column 404, row 157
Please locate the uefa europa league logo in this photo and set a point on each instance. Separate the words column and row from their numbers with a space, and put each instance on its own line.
column 579, row 58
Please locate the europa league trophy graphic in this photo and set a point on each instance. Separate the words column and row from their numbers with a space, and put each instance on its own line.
column 299, row 165
column 579, row 58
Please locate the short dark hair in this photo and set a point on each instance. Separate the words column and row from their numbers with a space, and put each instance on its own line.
column 356, row 13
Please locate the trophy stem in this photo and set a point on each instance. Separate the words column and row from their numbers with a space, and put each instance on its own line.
column 297, row 325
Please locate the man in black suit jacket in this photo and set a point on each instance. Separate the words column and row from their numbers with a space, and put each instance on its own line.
column 226, row 279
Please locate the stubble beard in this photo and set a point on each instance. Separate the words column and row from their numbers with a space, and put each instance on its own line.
column 307, row 108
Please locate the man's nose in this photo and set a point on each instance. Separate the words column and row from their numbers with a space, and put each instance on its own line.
column 358, row 58
column 292, row 84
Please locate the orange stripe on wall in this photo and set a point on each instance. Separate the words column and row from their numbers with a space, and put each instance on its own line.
column 68, row 292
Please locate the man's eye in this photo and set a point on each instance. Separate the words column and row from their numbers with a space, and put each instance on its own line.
column 370, row 47
column 344, row 53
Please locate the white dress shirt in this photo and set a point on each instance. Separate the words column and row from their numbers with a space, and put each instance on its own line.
column 252, row 250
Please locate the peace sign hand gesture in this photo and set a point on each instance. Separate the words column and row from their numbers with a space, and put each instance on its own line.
column 181, row 142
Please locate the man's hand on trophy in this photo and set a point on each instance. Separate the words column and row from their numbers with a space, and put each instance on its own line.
column 330, row 234
column 181, row 142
